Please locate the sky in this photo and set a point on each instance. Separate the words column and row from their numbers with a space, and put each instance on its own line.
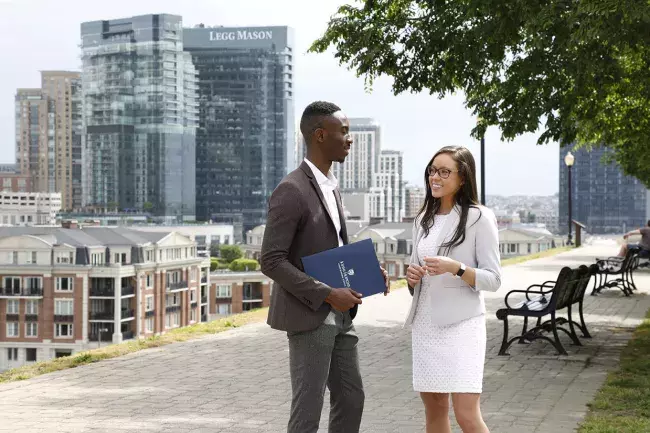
column 38, row 35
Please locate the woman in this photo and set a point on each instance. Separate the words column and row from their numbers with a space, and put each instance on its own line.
column 455, row 257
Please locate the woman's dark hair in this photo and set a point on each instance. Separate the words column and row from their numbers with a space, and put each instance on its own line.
column 466, row 196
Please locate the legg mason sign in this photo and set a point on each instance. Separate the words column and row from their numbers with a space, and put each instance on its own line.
column 241, row 35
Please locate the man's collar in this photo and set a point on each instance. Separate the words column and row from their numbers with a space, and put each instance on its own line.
column 320, row 177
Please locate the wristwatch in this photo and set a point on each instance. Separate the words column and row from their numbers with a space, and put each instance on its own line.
column 461, row 271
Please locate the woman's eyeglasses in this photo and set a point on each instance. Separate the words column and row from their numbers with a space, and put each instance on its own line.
column 444, row 173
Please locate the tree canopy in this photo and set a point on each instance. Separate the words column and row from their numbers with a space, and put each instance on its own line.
column 579, row 69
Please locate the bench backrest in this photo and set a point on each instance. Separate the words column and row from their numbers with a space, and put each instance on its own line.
column 585, row 276
column 558, row 296
column 565, row 293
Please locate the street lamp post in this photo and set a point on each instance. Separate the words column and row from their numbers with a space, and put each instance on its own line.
column 483, row 202
column 569, row 160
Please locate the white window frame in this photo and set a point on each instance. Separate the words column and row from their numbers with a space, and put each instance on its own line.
column 59, row 326
column 149, row 281
column 149, row 324
column 225, row 306
column 58, row 310
column 193, row 315
column 219, row 292
column 13, row 326
column 148, row 307
column 193, row 295
column 33, row 310
column 32, row 258
column 12, row 354
column 15, row 303
column 31, row 326
column 391, row 269
column 59, row 280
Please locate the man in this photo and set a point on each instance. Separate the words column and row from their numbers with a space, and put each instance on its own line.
column 644, row 244
column 305, row 216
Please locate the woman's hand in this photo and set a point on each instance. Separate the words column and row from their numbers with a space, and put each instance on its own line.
column 414, row 274
column 441, row 265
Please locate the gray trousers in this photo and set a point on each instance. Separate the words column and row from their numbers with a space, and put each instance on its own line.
column 326, row 356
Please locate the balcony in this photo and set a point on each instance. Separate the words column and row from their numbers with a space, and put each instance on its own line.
column 64, row 318
column 204, row 299
column 194, row 304
column 128, row 314
column 173, row 308
column 149, row 313
column 102, row 315
column 128, row 290
column 13, row 317
column 102, row 291
column 24, row 291
column 31, row 317
column 179, row 285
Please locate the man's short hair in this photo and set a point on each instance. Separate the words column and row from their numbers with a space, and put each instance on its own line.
column 312, row 116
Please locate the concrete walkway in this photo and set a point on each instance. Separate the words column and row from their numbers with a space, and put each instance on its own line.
column 238, row 381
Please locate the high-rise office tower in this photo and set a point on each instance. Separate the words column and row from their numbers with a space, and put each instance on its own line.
column 357, row 173
column 387, row 196
column 48, row 136
column 245, row 140
column 140, row 116
column 603, row 199
column 414, row 199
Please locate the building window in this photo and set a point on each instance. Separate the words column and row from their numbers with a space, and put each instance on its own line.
column 172, row 320
column 193, row 295
column 65, row 258
column 31, row 329
column 193, row 315
column 224, row 308
column 30, row 355
column 31, row 258
column 31, row 307
column 64, row 284
column 512, row 248
column 530, row 248
column 12, row 329
column 63, row 330
column 173, row 300
column 12, row 306
column 12, row 284
column 391, row 269
column 14, row 258
column 33, row 283
column 224, row 291
column 149, row 280
column 148, row 306
column 63, row 307
column 149, row 324
column 12, row 354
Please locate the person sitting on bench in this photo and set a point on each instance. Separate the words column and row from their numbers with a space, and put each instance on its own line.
column 644, row 244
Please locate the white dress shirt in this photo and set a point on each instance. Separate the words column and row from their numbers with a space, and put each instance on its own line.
column 327, row 186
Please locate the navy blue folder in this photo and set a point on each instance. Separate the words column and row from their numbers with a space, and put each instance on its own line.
column 353, row 265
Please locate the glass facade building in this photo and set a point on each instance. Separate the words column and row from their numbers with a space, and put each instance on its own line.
column 140, row 113
column 603, row 199
column 245, row 139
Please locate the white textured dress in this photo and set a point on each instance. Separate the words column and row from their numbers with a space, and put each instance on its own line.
column 448, row 358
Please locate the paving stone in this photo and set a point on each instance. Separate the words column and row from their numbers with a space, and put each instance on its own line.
column 238, row 381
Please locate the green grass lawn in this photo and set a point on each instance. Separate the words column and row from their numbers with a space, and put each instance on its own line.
column 547, row 253
column 623, row 403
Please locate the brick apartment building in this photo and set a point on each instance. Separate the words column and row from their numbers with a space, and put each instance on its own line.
column 236, row 292
column 65, row 290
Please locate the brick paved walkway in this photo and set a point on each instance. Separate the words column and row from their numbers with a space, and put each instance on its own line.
column 238, row 381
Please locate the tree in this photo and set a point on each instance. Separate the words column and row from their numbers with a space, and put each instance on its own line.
column 244, row 265
column 581, row 68
column 147, row 206
column 215, row 249
column 230, row 253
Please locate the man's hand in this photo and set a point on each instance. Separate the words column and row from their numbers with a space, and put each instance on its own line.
column 414, row 274
column 441, row 265
column 343, row 299
column 386, row 280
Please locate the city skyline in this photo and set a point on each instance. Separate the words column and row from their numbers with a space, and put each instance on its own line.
column 415, row 124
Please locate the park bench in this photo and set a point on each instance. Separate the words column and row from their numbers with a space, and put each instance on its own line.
column 547, row 299
column 622, row 268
